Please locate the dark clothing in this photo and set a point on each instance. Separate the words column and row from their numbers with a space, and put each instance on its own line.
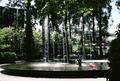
column 79, row 60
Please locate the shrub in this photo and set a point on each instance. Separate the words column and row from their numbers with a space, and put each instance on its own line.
column 7, row 57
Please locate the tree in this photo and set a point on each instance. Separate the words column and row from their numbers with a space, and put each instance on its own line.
column 118, row 4
column 114, row 56
column 60, row 12
column 29, row 42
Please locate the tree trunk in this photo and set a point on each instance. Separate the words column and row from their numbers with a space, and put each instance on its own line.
column 82, row 39
column 64, row 45
column 66, row 38
column 100, row 33
column 90, row 38
column 70, row 45
column 93, row 36
column 43, row 39
column 29, row 43
column 53, row 42
column 48, row 37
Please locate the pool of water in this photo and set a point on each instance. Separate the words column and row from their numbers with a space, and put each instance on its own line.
column 53, row 66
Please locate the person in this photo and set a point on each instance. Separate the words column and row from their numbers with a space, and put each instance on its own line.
column 65, row 58
column 79, row 60
column 92, row 66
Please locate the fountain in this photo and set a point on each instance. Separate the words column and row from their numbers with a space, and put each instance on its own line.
column 59, row 69
column 42, row 69
column 56, row 69
column 51, row 69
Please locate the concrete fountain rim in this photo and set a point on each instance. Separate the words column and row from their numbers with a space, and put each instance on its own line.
column 53, row 74
column 34, row 66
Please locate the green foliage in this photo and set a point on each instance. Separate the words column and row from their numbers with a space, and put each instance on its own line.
column 56, row 36
column 13, row 40
column 38, row 43
column 7, row 57
column 58, row 11
column 37, row 37
column 10, row 38
column 4, row 46
column 76, row 43
column 5, row 34
column 8, row 54
column 86, row 10
column 87, row 50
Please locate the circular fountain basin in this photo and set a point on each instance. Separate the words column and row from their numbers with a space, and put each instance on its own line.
column 37, row 69
column 51, row 70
